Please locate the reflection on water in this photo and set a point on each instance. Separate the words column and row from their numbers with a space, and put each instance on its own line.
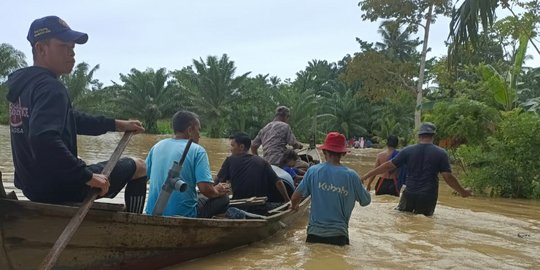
column 471, row 233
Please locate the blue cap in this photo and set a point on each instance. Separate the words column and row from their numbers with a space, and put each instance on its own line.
column 54, row 27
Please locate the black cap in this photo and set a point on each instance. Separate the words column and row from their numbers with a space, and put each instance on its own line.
column 427, row 128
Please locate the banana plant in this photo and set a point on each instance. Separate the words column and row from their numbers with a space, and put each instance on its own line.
column 504, row 88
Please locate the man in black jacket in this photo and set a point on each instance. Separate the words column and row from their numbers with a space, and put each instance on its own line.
column 44, row 127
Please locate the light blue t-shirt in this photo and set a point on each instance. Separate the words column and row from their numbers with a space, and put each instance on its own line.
column 333, row 190
column 196, row 169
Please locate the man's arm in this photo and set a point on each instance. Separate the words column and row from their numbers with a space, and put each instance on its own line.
column 254, row 149
column 282, row 190
column 295, row 200
column 387, row 166
column 210, row 191
column 451, row 180
column 129, row 125
column 297, row 145
column 370, row 180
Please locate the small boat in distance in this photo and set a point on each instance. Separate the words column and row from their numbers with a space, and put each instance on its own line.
column 109, row 238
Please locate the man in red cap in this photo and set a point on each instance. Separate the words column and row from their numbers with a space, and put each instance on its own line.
column 334, row 189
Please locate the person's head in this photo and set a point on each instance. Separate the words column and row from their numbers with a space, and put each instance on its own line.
column 289, row 158
column 427, row 130
column 240, row 143
column 282, row 113
column 334, row 145
column 52, row 42
column 392, row 141
column 186, row 125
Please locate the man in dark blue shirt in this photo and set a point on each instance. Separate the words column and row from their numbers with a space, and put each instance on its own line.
column 424, row 162
column 44, row 127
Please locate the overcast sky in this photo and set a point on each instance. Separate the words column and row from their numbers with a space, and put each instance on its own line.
column 276, row 37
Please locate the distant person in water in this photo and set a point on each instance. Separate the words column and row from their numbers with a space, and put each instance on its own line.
column 334, row 190
column 424, row 162
column 275, row 136
column 388, row 181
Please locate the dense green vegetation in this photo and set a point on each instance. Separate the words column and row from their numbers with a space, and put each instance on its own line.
column 483, row 98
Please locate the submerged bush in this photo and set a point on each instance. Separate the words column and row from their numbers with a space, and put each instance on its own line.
column 507, row 164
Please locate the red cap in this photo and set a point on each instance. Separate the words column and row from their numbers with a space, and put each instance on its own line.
column 335, row 142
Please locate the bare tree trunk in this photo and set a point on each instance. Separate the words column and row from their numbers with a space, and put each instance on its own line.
column 420, row 85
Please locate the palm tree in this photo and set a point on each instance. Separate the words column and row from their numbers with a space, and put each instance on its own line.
column 396, row 43
column 10, row 60
column 211, row 89
column 79, row 83
column 253, row 105
column 148, row 96
column 464, row 25
column 316, row 75
column 344, row 111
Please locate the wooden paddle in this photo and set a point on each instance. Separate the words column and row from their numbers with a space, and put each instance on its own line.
column 76, row 221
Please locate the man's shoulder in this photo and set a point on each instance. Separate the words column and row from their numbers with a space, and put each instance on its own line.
column 257, row 160
column 439, row 150
column 280, row 124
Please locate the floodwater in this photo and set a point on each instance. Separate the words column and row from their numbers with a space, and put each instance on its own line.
column 470, row 233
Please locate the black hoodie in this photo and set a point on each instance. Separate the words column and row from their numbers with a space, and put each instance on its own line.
column 44, row 130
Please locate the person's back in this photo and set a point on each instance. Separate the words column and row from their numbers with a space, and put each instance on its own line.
column 334, row 189
column 249, row 176
column 388, row 181
column 424, row 162
column 160, row 159
column 275, row 136
column 195, row 173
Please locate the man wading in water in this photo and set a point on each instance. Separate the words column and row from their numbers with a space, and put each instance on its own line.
column 424, row 162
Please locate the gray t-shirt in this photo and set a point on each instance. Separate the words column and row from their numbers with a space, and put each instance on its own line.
column 274, row 138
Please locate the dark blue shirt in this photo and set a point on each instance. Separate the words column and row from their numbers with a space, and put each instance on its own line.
column 424, row 162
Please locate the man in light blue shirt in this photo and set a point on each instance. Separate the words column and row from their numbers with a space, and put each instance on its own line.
column 195, row 172
column 334, row 189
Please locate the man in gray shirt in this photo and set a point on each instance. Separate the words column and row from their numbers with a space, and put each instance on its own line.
column 275, row 136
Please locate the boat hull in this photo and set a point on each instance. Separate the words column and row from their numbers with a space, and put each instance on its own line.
column 109, row 239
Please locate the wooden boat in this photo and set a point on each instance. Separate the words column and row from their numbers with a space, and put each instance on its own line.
column 111, row 239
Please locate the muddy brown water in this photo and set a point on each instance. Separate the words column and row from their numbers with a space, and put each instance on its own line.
column 471, row 233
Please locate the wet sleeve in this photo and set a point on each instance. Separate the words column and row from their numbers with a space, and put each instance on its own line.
column 93, row 125
column 202, row 167
column 445, row 163
column 291, row 139
column 401, row 158
column 361, row 194
column 305, row 186
column 47, row 122
column 224, row 173
column 257, row 141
